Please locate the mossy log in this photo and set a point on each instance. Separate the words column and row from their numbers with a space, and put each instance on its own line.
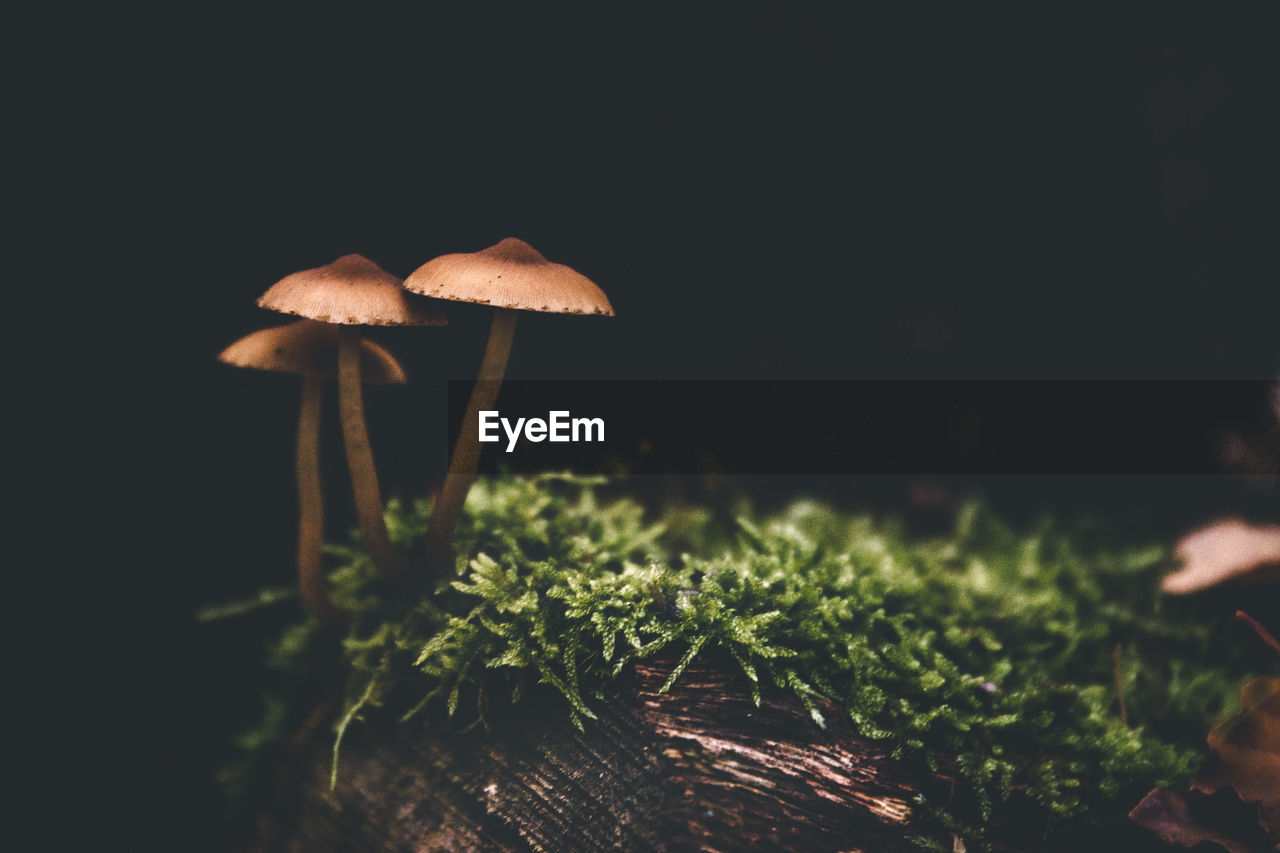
column 698, row 768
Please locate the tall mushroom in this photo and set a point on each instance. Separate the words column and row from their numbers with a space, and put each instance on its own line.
column 310, row 349
column 350, row 292
column 510, row 276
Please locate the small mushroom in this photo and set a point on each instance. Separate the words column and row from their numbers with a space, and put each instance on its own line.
column 310, row 348
column 1227, row 551
column 508, row 277
column 353, row 291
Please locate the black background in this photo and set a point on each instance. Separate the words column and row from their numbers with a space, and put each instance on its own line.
column 848, row 428
column 762, row 196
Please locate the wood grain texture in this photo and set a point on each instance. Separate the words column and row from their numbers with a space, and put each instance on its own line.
column 698, row 768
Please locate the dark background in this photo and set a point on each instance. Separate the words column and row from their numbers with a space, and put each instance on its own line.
column 785, row 196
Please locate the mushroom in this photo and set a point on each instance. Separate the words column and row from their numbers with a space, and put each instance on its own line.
column 510, row 276
column 310, row 348
column 1226, row 551
column 354, row 291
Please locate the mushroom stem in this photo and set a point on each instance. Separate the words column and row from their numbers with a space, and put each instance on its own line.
column 311, row 507
column 466, row 453
column 364, row 477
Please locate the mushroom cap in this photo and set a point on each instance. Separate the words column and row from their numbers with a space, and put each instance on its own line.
column 310, row 348
column 1225, row 551
column 511, row 274
column 351, row 291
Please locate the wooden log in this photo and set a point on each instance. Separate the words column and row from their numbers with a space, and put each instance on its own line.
column 698, row 768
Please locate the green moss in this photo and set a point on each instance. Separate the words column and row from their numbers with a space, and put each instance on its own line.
column 989, row 653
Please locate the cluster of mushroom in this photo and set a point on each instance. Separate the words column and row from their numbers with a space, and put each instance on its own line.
column 334, row 301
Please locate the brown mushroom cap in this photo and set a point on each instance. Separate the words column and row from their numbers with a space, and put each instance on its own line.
column 351, row 291
column 511, row 274
column 310, row 348
column 1225, row 551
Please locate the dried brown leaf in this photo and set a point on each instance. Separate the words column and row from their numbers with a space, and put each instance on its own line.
column 1245, row 749
column 1188, row 819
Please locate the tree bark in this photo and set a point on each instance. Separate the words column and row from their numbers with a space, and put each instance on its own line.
column 698, row 768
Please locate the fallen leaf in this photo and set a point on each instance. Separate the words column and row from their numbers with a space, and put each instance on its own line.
column 1225, row 551
column 1190, row 818
column 1245, row 749
column 1234, row 801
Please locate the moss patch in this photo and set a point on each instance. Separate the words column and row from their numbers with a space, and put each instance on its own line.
column 990, row 652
